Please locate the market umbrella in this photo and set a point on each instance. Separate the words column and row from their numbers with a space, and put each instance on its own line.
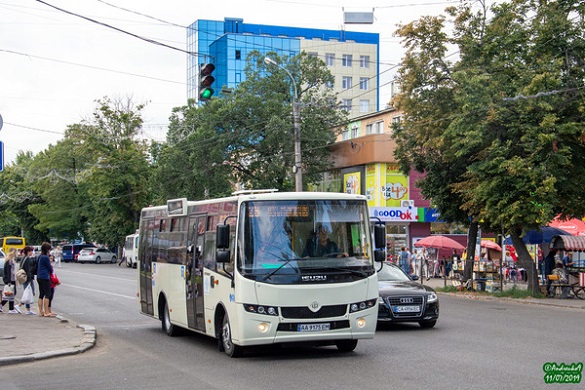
column 439, row 242
column 542, row 236
column 490, row 245
column 573, row 226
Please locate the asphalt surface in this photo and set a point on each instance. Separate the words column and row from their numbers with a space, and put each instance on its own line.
column 26, row 338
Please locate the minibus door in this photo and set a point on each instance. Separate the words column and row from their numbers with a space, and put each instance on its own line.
column 194, row 277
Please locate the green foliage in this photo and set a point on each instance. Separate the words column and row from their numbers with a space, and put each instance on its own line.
column 92, row 184
column 500, row 132
column 18, row 195
column 246, row 137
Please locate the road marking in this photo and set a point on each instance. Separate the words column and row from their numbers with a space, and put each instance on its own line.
column 100, row 291
column 101, row 276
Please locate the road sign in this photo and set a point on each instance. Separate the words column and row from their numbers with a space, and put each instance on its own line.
column 1, row 156
column 1, row 122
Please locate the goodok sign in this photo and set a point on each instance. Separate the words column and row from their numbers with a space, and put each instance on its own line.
column 395, row 214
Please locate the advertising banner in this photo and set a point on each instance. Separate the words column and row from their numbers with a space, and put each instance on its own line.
column 395, row 187
column 351, row 183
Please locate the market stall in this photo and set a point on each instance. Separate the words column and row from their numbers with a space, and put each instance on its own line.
column 576, row 272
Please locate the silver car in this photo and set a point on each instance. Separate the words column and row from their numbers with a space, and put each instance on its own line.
column 96, row 255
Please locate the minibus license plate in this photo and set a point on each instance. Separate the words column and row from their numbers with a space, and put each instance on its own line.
column 406, row 309
column 313, row 327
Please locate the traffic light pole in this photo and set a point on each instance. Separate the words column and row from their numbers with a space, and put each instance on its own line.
column 296, row 108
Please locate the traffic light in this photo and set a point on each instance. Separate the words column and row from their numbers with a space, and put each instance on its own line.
column 205, row 81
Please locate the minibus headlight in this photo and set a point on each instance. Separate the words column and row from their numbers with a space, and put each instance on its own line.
column 363, row 305
column 261, row 309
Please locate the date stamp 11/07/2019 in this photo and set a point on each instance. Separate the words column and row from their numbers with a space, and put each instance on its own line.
column 562, row 372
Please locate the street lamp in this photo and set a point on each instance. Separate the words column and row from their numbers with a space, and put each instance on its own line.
column 297, row 128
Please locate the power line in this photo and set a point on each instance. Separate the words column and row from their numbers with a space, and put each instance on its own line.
column 90, row 66
column 117, row 29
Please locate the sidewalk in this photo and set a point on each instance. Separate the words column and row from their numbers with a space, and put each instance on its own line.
column 568, row 303
column 27, row 338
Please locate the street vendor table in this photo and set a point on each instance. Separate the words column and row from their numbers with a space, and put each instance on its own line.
column 577, row 281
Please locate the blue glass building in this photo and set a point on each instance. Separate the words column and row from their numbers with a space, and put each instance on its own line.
column 352, row 57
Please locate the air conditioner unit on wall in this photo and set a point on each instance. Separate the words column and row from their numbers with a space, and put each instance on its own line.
column 407, row 203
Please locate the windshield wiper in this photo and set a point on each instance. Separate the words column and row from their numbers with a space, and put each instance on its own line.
column 279, row 268
column 355, row 272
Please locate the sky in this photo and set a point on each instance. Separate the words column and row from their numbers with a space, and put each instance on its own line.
column 54, row 65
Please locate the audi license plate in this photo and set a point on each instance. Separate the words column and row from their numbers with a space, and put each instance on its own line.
column 313, row 327
column 406, row 309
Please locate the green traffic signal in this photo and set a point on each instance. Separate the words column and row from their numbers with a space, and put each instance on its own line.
column 205, row 81
column 206, row 94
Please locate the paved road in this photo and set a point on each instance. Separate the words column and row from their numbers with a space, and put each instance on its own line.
column 477, row 344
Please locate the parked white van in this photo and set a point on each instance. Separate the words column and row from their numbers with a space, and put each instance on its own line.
column 131, row 250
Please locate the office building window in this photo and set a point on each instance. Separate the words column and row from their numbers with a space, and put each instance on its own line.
column 364, row 83
column 346, row 60
column 238, row 54
column 369, row 129
column 313, row 54
column 364, row 105
column 329, row 84
column 379, row 127
column 330, row 59
column 345, row 134
column 346, row 104
column 396, row 121
column 355, row 131
column 364, row 61
column 346, row 82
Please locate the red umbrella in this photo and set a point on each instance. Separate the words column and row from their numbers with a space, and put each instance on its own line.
column 573, row 226
column 439, row 242
column 490, row 245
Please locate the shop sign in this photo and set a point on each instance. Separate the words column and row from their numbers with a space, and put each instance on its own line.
column 395, row 214
column 432, row 215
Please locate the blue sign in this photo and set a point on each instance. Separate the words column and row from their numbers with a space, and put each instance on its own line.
column 432, row 215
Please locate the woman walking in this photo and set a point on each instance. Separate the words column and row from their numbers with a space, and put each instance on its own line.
column 44, row 271
column 9, row 279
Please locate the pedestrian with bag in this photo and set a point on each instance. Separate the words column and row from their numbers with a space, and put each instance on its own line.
column 54, row 283
column 29, row 266
column 44, row 271
column 9, row 279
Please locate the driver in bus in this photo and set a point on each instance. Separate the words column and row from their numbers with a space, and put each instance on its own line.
column 321, row 246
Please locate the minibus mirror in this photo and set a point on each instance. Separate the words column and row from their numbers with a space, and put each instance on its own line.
column 222, row 237
column 379, row 236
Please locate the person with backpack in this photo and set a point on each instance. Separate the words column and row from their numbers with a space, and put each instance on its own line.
column 29, row 265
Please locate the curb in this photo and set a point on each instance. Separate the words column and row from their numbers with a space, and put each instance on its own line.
column 525, row 301
column 87, row 342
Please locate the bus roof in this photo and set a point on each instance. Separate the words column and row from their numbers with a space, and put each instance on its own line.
column 242, row 196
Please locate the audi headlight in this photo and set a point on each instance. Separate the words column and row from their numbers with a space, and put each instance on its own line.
column 261, row 309
column 432, row 297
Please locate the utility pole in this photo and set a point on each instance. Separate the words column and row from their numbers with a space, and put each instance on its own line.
column 296, row 108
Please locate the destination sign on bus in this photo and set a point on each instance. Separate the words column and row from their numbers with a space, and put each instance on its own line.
column 279, row 211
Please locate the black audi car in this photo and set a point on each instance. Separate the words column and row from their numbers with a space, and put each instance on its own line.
column 404, row 300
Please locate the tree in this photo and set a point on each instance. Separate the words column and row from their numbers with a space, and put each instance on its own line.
column 510, row 109
column 95, row 181
column 246, row 137
column 18, row 194
column 53, row 175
